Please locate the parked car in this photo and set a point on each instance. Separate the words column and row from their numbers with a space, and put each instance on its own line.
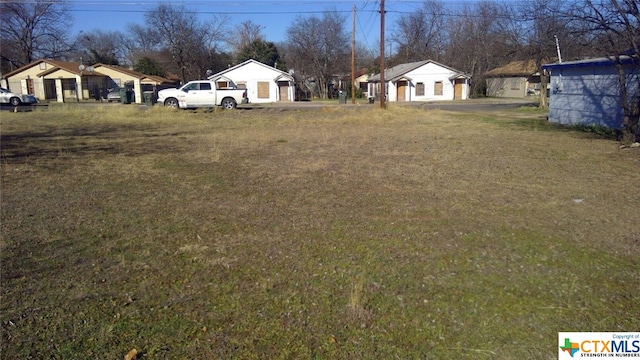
column 202, row 93
column 114, row 95
column 8, row 97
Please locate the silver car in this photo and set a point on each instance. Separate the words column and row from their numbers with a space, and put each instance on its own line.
column 8, row 97
column 113, row 95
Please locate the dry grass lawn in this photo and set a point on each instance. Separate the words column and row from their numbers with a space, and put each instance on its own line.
column 324, row 234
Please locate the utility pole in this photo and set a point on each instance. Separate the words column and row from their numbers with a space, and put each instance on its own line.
column 353, row 57
column 383, row 91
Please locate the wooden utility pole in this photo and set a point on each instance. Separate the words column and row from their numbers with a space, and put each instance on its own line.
column 353, row 57
column 383, row 91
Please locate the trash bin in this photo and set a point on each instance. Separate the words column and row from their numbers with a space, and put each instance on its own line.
column 130, row 98
column 148, row 98
column 372, row 100
column 123, row 96
column 343, row 97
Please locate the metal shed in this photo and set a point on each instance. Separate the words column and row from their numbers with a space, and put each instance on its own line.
column 587, row 92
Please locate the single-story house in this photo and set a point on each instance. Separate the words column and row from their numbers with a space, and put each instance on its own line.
column 361, row 80
column 587, row 92
column 517, row 79
column 63, row 81
column 264, row 83
column 121, row 77
column 53, row 80
column 421, row 81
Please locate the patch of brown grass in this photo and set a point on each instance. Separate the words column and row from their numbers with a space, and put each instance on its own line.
column 332, row 233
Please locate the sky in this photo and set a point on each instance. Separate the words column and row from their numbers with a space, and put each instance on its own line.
column 274, row 16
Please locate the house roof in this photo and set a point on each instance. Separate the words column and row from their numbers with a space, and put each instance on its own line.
column 515, row 68
column 398, row 72
column 602, row 61
column 135, row 74
column 70, row 70
column 72, row 67
column 358, row 73
column 281, row 74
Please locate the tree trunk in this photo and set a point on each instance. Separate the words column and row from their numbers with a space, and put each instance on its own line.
column 630, row 106
column 544, row 80
column 630, row 123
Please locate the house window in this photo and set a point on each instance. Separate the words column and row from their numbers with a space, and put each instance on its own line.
column 43, row 66
column 437, row 88
column 223, row 84
column 263, row 90
column 242, row 85
column 420, row 89
column 515, row 84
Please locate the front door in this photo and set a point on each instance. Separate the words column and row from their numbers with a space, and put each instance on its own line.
column 30, row 89
column 457, row 89
column 50, row 89
column 283, row 88
column 402, row 90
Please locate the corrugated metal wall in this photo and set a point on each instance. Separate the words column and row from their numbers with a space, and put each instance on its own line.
column 587, row 96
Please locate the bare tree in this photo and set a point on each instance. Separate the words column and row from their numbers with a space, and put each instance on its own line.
column 319, row 47
column 192, row 44
column 478, row 41
column 244, row 34
column 421, row 35
column 99, row 46
column 546, row 19
column 32, row 30
column 143, row 39
column 615, row 25
column 141, row 42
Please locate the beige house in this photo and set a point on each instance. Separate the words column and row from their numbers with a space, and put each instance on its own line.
column 517, row 79
column 120, row 77
column 361, row 80
column 63, row 81
column 52, row 80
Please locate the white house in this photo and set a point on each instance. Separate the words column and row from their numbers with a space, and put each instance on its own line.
column 421, row 81
column 264, row 83
column 587, row 92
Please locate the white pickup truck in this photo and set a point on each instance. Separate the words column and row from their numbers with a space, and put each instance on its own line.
column 201, row 93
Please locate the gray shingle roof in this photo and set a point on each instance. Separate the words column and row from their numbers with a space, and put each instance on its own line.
column 396, row 72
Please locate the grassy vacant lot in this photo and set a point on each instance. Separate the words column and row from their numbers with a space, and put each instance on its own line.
column 323, row 234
